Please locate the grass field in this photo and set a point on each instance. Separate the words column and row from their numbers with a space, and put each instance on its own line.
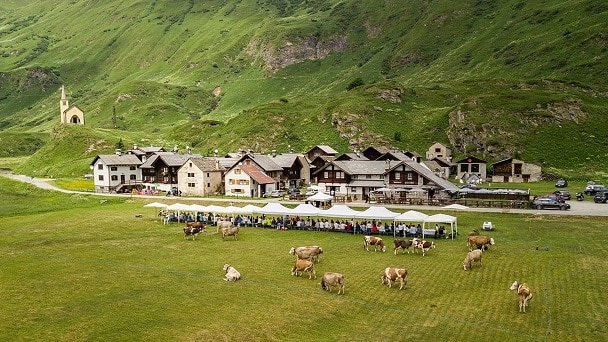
column 89, row 269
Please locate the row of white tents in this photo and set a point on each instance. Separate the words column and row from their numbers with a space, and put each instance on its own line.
column 307, row 210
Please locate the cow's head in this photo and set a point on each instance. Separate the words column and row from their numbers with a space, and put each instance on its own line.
column 226, row 267
column 491, row 241
column 292, row 250
column 514, row 286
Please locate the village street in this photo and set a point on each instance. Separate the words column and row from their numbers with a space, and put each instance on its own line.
column 584, row 208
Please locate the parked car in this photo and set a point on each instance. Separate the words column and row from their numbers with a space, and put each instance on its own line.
column 561, row 183
column 601, row 197
column 277, row 193
column 593, row 188
column 563, row 193
column 550, row 202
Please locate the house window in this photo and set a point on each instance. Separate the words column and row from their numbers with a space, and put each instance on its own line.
column 409, row 176
column 237, row 171
column 190, row 174
column 191, row 185
column 368, row 176
column 190, row 164
column 100, row 178
column 397, row 175
column 464, row 167
column 236, row 191
column 437, row 149
column 113, row 168
column 207, row 174
column 339, row 175
column 353, row 189
column 132, row 177
column 325, row 174
column 99, row 166
column 114, row 177
column 131, row 167
column 231, row 181
column 208, row 185
column 474, row 167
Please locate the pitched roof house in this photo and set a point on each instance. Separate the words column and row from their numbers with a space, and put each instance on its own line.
column 515, row 171
column 247, row 180
column 112, row 172
column 162, row 167
column 201, row 177
column 471, row 166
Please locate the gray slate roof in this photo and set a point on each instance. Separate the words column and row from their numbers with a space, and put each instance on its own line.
column 114, row 159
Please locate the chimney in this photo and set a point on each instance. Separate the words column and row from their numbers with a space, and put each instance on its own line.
column 118, row 152
column 274, row 153
column 135, row 146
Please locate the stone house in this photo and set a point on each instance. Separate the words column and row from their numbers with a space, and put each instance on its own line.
column 471, row 166
column 200, row 177
column 515, row 171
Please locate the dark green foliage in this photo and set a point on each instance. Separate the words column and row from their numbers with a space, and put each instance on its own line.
column 432, row 69
column 355, row 83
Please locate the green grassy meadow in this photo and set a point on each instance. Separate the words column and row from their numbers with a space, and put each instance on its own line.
column 78, row 267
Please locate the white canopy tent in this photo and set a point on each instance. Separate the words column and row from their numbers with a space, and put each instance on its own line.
column 411, row 216
column 377, row 212
column 250, row 208
column 455, row 206
column 305, row 209
column 156, row 205
column 274, row 208
column 442, row 218
column 320, row 197
column 339, row 210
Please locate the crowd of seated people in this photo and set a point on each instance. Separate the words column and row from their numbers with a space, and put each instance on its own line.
column 367, row 227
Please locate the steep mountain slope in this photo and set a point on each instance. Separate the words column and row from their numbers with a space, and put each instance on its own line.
column 491, row 78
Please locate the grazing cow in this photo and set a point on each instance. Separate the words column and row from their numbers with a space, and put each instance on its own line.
column 231, row 273
column 393, row 274
column 224, row 224
column 423, row 245
column 332, row 279
column 403, row 244
column 189, row 231
column 524, row 293
column 472, row 256
column 307, row 253
column 304, row 266
column 479, row 241
column 193, row 224
column 232, row 231
column 474, row 232
column 374, row 241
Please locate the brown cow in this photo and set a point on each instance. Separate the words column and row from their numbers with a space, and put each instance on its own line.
column 374, row 241
column 423, row 245
column 233, row 231
column 393, row 274
column 524, row 293
column 310, row 252
column 403, row 244
column 193, row 224
column 189, row 231
column 224, row 224
column 332, row 279
column 304, row 266
column 472, row 256
column 479, row 241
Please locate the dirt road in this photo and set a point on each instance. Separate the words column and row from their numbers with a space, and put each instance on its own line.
column 584, row 208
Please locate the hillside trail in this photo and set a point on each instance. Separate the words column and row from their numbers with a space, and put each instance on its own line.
column 584, row 208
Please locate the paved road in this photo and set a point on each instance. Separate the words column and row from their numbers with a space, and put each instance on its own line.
column 584, row 208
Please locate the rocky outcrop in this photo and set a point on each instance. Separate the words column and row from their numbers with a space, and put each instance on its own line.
column 308, row 48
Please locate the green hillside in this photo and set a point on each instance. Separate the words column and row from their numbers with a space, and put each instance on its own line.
column 495, row 79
